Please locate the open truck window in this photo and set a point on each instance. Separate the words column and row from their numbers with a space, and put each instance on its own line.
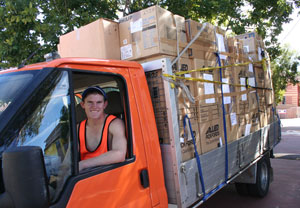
column 115, row 89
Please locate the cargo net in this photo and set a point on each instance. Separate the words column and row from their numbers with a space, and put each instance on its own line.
column 157, row 93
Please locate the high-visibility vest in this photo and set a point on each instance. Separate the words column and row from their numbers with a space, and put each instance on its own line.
column 103, row 144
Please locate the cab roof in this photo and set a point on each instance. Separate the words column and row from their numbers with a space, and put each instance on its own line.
column 79, row 61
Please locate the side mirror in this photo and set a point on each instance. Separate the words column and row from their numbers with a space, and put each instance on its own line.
column 24, row 177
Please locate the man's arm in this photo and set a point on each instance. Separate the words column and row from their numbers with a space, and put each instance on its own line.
column 118, row 149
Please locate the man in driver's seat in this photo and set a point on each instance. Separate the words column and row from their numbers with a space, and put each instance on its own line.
column 102, row 138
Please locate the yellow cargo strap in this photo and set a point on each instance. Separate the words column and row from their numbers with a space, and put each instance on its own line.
column 263, row 62
column 176, row 76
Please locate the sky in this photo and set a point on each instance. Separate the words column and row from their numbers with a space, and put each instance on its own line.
column 291, row 32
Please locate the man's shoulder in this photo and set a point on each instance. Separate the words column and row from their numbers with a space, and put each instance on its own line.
column 117, row 122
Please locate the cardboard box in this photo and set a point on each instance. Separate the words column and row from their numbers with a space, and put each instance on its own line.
column 211, row 40
column 235, row 46
column 206, row 92
column 186, row 140
column 150, row 32
column 244, row 123
column 270, row 114
column 270, row 97
column 187, row 145
column 232, row 127
column 260, row 76
column 208, row 112
column 211, row 135
column 241, row 74
column 253, row 45
column 253, row 100
column 99, row 39
column 206, row 37
column 229, row 90
column 254, row 116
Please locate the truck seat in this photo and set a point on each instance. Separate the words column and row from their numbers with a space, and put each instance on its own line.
column 114, row 106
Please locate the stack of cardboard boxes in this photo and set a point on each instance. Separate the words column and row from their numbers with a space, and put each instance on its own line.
column 155, row 33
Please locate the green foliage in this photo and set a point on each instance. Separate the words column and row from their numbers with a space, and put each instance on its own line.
column 28, row 24
column 18, row 35
column 284, row 69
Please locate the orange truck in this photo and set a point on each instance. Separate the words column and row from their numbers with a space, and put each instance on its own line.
column 39, row 148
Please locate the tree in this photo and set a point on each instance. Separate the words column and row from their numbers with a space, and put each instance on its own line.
column 284, row 69
column 26, row 25
column 34, row 26
column 19, row 36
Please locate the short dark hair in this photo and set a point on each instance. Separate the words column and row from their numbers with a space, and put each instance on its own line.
column 93, row 89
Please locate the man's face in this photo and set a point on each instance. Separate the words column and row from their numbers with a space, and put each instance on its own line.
column 94, row 105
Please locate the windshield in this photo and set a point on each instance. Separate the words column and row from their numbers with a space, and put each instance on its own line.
column 11, row 85
column 44, row 121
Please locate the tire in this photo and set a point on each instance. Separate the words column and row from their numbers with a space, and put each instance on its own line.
column 261, row 187
column 242, row 189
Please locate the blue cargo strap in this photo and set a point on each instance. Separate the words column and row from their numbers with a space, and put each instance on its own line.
column 224, row 119
column 196, row 154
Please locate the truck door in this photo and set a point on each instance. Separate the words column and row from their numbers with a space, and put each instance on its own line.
column 47, row 119
column 114, row 185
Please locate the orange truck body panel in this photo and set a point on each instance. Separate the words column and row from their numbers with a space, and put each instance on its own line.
column 121, row 186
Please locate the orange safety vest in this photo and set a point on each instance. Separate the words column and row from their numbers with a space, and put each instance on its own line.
column 103, row 144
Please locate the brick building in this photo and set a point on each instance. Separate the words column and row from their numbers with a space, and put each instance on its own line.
column 290, row 105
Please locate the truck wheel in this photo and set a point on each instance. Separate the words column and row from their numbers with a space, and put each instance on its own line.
column 242, row 189
column 261, row 187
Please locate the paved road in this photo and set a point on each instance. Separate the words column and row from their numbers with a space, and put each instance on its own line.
column 284, row 190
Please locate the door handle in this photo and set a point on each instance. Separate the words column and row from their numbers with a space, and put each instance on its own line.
column 144, row 178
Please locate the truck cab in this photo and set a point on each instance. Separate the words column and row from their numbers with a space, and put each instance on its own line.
column 39, row 139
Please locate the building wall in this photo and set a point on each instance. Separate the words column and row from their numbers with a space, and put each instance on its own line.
column 292, row 95
column 290, row 107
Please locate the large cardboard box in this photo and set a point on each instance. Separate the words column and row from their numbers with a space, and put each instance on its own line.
column 254, row 116
column 186, row 139
column 232, row 127
column 207, row 37
column 260, row 76
column 211, row 135
column 244, row 123
column 253, row 45
column 150, row 32
column 211, row 39
column 99, row 39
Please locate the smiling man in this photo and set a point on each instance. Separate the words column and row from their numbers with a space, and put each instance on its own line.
column 102, row 138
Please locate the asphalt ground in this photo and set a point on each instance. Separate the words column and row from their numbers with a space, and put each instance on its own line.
column 284, row 191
